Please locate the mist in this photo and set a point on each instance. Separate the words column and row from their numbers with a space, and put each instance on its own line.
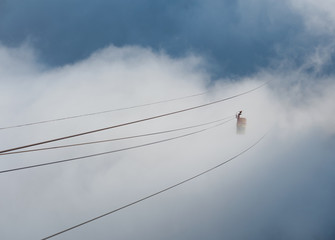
column 280, row 189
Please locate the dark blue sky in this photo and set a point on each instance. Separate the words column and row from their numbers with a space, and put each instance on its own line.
column 236, row 37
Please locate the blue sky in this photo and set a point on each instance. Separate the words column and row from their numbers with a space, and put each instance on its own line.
column 64, row 58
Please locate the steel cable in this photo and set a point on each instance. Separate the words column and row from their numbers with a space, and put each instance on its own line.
column 112, row 151
column 134, row 122
column 114, row 139
column 156, row 193
column 101, row 112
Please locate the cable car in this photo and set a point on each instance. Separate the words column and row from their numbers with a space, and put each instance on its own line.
column 240, row 124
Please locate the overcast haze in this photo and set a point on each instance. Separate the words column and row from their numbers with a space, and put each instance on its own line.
column 66, row 58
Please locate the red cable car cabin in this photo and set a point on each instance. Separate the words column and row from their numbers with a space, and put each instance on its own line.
column 240, row 124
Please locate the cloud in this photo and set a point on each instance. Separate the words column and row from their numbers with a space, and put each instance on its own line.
column 317, row 16
column 237, row 38
column 67, row 58
column 282, row 188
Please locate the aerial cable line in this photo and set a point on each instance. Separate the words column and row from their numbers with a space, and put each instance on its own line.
column 116, row 139
column 136, row 121
column 101, row 112
column 113, row 151
column 156, row 193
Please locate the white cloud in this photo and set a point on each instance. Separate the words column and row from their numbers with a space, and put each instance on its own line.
column 319, row 16
column 45, row 200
